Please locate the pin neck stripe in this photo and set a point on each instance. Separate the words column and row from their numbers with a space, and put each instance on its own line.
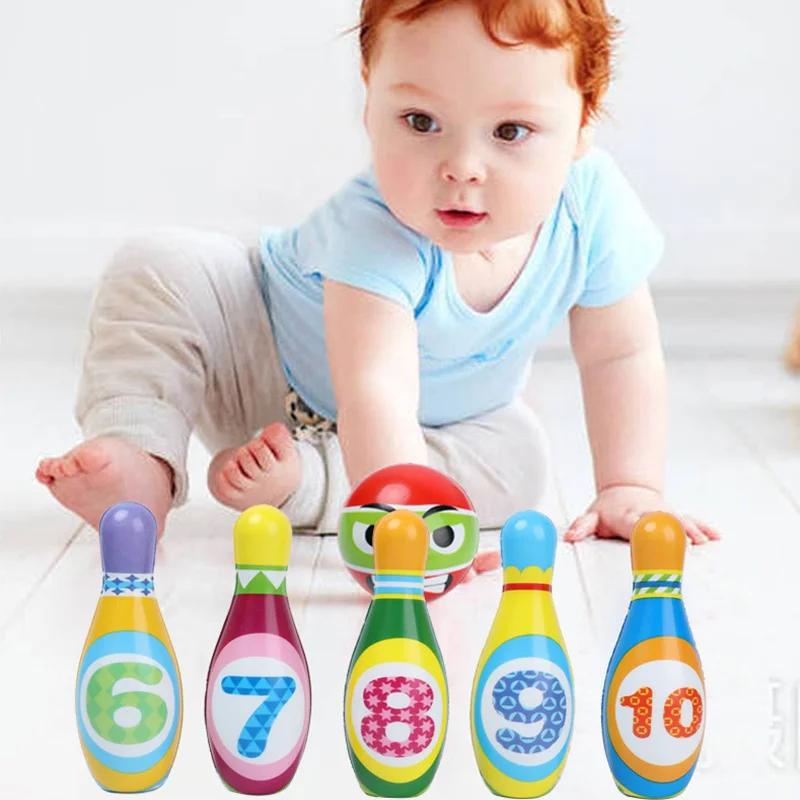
column 541, row 587
column 378, row 596
column 127, row 584
column 260, row 580
column 406, row 573
column 665, row 595
column 399, row 586
column 651, row 575
column 270, row 567
column 641, row 584
column 398, row 577
column 649, row 584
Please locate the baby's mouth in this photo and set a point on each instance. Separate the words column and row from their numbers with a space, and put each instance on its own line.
column 457, row 218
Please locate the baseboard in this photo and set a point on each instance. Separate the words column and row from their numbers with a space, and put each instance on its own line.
column 708, row 321
column 696, row 322
column 722, row 251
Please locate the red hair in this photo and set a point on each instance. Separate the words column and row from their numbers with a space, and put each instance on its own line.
column 584, row 26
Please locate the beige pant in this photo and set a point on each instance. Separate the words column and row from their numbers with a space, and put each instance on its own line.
column 180, row 342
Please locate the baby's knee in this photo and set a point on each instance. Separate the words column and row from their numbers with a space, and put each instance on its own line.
column 521, row 437
column 171, row 260
column 523, row 459
column 501, row 460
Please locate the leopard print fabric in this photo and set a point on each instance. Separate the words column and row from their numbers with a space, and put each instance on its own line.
column 307, row 425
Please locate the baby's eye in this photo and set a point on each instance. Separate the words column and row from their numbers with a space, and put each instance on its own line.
column 512, row 132
column 421, row 123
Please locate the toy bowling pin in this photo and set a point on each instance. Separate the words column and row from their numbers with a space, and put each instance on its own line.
column 653, row 709
column 129, row 703
column 396, row 692
column 522, row 705
column 258, row 692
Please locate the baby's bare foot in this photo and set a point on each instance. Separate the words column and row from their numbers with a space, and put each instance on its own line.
column 792, row 355
column 104, row 471
column 487, row 561
column 265, row 470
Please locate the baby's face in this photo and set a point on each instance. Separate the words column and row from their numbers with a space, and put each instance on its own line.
column 457, row 122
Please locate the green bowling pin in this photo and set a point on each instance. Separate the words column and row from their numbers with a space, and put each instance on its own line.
column 396, row 691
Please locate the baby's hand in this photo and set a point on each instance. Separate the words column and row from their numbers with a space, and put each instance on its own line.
column 485, row 561
column 617, row 509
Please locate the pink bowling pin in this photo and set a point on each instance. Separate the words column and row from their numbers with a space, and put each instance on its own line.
column 258, row 692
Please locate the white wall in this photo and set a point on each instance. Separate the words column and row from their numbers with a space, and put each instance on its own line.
column 707, row 125
column 115, row 116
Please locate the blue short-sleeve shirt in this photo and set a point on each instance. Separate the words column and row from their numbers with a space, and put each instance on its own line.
column 597, row 244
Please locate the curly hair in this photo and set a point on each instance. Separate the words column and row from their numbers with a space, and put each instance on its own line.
column 584, row 26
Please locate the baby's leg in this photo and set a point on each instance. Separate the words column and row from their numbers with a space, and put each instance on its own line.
column 176, row 316
column 792, row 354
column 500, row 459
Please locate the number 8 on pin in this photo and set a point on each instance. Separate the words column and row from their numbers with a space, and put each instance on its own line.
column 396, row 691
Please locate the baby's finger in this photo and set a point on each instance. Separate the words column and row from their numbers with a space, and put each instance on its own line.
column 487, row 561
column 583, row 527
column 712, row 533
column 630, row 520
column 617, row 525
column 696, row 536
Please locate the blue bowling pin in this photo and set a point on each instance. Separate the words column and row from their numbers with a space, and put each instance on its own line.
column 653, row 707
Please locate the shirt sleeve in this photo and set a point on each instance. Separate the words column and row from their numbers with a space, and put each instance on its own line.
column 621, row 243
column 355, row 239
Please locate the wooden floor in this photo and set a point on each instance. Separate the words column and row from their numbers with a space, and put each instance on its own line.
column 734, row 458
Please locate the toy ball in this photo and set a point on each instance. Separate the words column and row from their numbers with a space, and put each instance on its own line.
column 442, row 504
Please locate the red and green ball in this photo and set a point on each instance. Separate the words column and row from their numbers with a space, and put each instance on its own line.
column 440, row 501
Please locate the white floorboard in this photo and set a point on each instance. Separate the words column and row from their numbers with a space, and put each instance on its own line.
column 731, row 457
column 734, row 459
column 36, row 401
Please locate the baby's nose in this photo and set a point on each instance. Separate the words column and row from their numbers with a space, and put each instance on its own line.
column 463, row 167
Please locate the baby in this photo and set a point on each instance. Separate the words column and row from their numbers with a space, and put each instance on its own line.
column 792, row 354
column 397, row 323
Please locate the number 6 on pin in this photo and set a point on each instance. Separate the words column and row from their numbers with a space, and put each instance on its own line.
column 129, row 702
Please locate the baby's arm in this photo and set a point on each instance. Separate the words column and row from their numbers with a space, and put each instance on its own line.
column 618, row 351
column 372, row 353
column 623, row 376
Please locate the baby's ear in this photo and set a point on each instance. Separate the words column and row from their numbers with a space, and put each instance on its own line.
column 585, row 140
